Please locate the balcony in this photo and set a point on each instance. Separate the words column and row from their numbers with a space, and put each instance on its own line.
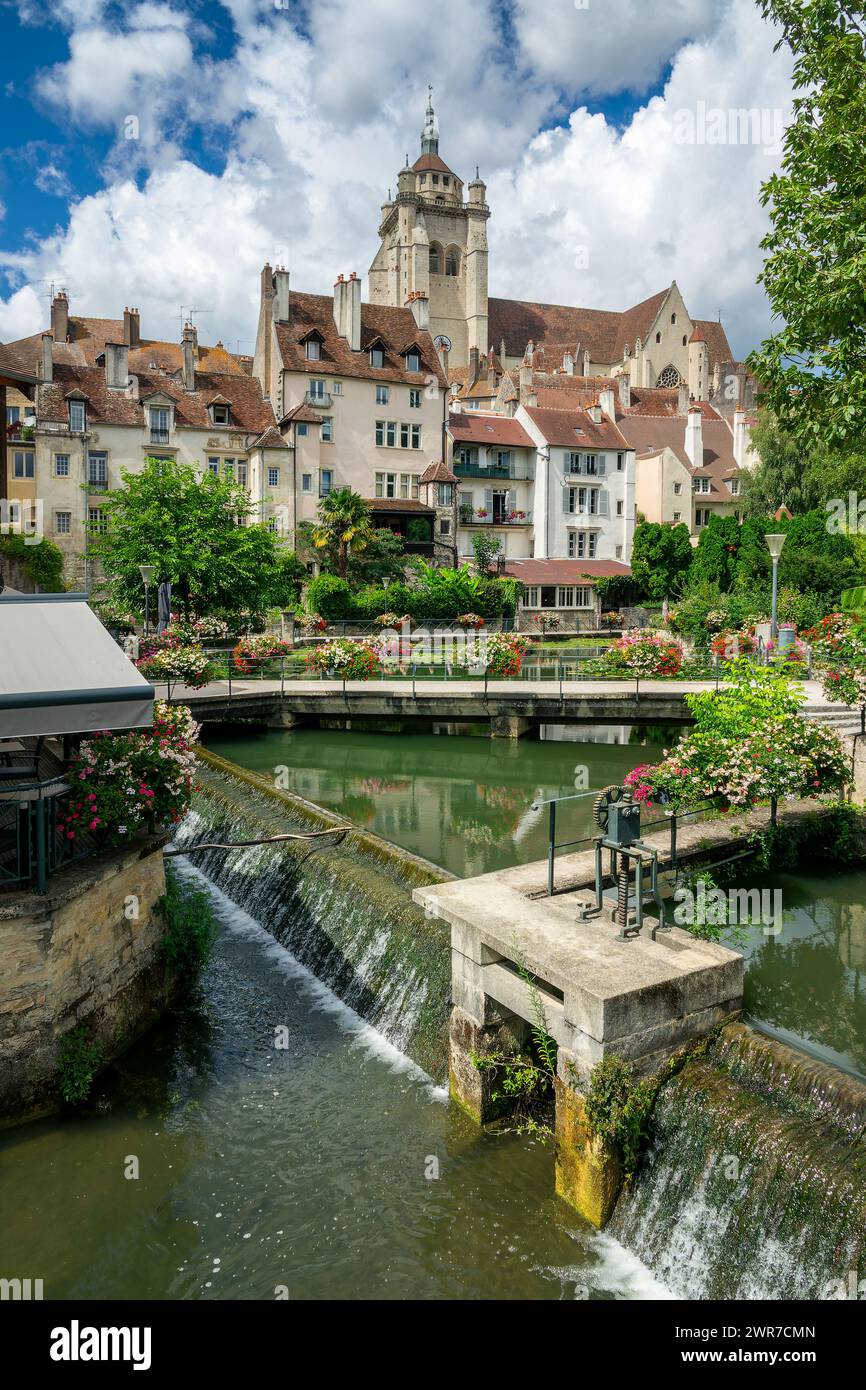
column 318, row 400
column 98, row 487
column 514, row 470
column 469, row 516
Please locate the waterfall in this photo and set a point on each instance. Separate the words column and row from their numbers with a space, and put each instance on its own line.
column 343, row 910
column 754, row 1185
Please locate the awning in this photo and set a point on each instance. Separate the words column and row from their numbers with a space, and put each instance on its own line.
column 62, row 673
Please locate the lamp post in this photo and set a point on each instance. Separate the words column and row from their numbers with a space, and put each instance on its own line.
column 774, row 545
column 147, row 573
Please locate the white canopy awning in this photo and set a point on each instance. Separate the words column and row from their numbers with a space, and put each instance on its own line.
column 62, row 673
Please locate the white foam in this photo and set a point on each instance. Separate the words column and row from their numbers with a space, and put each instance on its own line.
column 364, row 1036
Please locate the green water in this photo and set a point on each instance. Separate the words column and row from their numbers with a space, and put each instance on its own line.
column 464, row 803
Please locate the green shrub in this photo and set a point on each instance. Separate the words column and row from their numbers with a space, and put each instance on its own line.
column 618, row 1108
column 330, row 597
column 190, row 928
column 79, row 1059
column 42, row 563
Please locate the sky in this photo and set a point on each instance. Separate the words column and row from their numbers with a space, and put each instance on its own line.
column 157, row 154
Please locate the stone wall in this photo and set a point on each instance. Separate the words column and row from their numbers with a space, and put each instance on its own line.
column 86, row 953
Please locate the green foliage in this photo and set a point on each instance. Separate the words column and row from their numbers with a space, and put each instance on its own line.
column 817, row 559
column 330, row 597
column 485, row 548
column 714, row 560
column 190, row 929
column 660, row 560
column 187, row 526
column 343, row 526
column 78, row 1061
column 42, row 563
column 418, row 529
column 813, row 369
column 524, row 1080
column 751, row 697
column 618, row 1108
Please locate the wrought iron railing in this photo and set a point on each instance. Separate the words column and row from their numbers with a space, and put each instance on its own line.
column 33, row 842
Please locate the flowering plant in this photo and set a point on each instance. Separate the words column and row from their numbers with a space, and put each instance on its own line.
column 474, row 620
column 732, row 644
column 205, row 629
column 392, row 619
column 111, row 614
column 612, row 619
column 124, row 781
column 548, row 622
column 353, row 661
column 641, row 654
column 315, row 623
column 504, row 653
column 839, row 655
column 172, row 662
column 517, row 516
column 482, row 512
column 261, row 647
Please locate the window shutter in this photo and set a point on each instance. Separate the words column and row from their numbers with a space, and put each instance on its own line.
column 603, row 502
column 566, row 500
column 601, row 465
column 488, row 499
column 511, row 500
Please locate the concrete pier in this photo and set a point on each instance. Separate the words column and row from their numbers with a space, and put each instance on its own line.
column 640, row 999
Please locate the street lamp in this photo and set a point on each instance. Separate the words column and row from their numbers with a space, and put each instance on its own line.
column 147, row 573
column 774, row 545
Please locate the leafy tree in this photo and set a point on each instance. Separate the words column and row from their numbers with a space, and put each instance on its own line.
column 191, row 528
column 714, row 560
column 814, row 558
column 42, row 563
column 660, row 559
column 799, row 475
column 343, row 526
column 813, row 369
column 486, row 550
column 330, row 597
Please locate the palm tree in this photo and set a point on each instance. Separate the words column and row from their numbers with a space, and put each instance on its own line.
column 343, row 524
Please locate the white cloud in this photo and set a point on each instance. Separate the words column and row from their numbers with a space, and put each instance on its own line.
column 605, row 46
column 315, row 125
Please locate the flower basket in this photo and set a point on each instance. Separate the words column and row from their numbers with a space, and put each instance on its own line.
column 470, row 620
column 343, row 659
column 171, row 662
column 252, row 654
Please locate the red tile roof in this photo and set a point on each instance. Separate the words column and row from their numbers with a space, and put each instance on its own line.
column 564, row 571
column 576, row 430
column 431, row 161
column 438, row 473
column 471, row 427
column 648, row 435
column 398, row 504
column 90, row 335
column 394, row 328
column 716, row 339
column 249, row 412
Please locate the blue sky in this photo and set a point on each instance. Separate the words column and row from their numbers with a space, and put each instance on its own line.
column 269, row 130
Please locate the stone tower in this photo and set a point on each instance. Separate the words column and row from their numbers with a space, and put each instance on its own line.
column 434, row 246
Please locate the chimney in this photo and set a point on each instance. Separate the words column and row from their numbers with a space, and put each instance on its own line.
column 623, row 382
column 117, row 365
column 60, row 317
column 189, row 351
column 695, row 437
column 281, row 294
column 420, row 306
column 474, row 365
column 682, row 398
column 132, row 328
column 740, row 438
column 353, row 312
column 341, row 295
column 46, row 370
column 594, row 413
column 606, row 401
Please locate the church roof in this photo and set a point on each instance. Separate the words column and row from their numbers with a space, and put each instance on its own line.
column 393, row 329
column 716, row 339
column 433, row 162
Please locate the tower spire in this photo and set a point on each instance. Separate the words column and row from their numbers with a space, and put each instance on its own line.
column 430, row 133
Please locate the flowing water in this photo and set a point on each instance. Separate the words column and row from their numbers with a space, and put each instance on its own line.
column 328, row 1168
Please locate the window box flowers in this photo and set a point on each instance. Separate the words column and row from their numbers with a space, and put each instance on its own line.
column 345, row 659
column 503, row 653
column 470, row 620
column 125, row 782
column 251, row 654
column 392, row 619
column 644, row 656
column 172, row 662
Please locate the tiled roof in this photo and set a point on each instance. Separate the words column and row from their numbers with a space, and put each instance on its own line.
column 575, row 429
column 14, row 364
column 250, row 413
column 89, row 336
column 716, row 339
column 472, row 428
column 636, row 323
column 271, row 439
column 649, row 435
column 427, row 162
column 394, row 328
column 438, row 473
column 601, row 332
column 398, row 504
column 564, row 571
column 302, row 414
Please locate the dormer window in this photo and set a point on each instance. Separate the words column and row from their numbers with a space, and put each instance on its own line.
column 413, row 361
column 377, row 356
column 313, row 350
column 77, row 417
column 219, row 414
